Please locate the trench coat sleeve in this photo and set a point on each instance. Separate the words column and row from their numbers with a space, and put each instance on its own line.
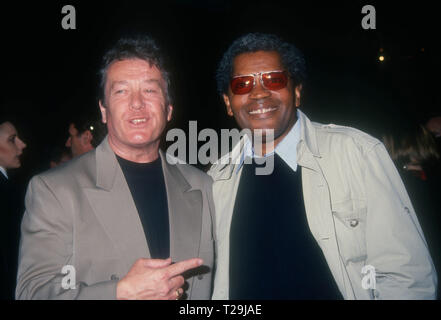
column 396, row 246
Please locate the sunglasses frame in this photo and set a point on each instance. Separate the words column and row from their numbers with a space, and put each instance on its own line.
column 261, row 79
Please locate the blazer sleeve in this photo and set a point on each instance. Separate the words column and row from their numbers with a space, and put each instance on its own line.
column 396, row 247
column 46, row 246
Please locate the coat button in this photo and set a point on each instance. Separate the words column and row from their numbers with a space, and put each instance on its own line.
column 407, row 210
column 200, row 277
column 114, row 277
column 353, row 223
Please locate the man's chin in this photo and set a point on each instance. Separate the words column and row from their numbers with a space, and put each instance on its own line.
column 15, row 165
column 263, row 125
column 266, row 133
column 142, row 142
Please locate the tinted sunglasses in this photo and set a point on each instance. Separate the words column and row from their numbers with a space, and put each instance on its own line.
column 270, row 80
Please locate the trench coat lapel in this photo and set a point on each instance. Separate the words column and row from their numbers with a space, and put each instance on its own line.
column 317, row 199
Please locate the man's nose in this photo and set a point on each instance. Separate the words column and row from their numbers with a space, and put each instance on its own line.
column 21, row 145
column 136, row 101
column 259, row 92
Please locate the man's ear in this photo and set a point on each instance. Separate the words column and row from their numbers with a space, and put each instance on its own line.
column 86, row 137
column 228, row 105
column 169, row 112
column 298, row 93
column 103, row 110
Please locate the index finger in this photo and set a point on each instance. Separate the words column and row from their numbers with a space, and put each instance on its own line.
column 182, row 266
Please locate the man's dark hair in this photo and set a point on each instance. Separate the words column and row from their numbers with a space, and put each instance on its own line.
column 139, row 47
column 96, row 128
column 291, row 57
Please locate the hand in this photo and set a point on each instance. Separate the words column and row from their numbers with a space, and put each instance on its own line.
column 155, row 279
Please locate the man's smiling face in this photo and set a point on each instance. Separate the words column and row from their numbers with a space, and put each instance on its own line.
column 262, row 108
column 136, row 110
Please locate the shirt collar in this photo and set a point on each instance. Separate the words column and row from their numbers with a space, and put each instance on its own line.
column 284, row 149
column 3, row 170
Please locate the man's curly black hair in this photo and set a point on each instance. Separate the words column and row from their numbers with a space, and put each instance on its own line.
column 291, row 57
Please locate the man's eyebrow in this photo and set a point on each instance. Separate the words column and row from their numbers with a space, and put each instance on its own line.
column 152, row 80
column 126, row 82
column 118, row 82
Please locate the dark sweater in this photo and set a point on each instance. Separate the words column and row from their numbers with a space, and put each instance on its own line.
column 273, row 254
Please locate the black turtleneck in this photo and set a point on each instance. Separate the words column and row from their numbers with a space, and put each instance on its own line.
column 146, row 183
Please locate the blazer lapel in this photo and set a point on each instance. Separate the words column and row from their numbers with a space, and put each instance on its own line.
column 114, row 207
column 185, row 213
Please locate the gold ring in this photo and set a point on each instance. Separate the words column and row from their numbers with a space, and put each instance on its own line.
column 178, row 294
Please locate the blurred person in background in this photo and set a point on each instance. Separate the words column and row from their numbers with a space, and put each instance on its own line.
column 415, row 153
column 434, row 125
column 414, row 150
column 59, row 155
column 11, row 204
column 85, row 134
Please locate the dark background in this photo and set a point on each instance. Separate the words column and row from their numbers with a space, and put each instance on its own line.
column 49, row 73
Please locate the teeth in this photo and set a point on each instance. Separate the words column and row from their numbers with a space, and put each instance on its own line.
column 136, row 121
column 263, row 110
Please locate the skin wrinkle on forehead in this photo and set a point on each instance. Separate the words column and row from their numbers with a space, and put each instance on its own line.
column 162, row 82
column 158, row 82
column 133, row 74
column 126, row 82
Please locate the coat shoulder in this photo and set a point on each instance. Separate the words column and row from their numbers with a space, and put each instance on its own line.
column 335, row 137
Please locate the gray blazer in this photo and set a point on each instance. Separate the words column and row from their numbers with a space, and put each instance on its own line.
column 82, row 214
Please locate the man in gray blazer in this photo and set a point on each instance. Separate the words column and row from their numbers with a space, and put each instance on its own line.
column 121, row 221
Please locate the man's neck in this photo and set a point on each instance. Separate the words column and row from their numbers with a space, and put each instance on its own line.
column 143, row 154
column 268, row 147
